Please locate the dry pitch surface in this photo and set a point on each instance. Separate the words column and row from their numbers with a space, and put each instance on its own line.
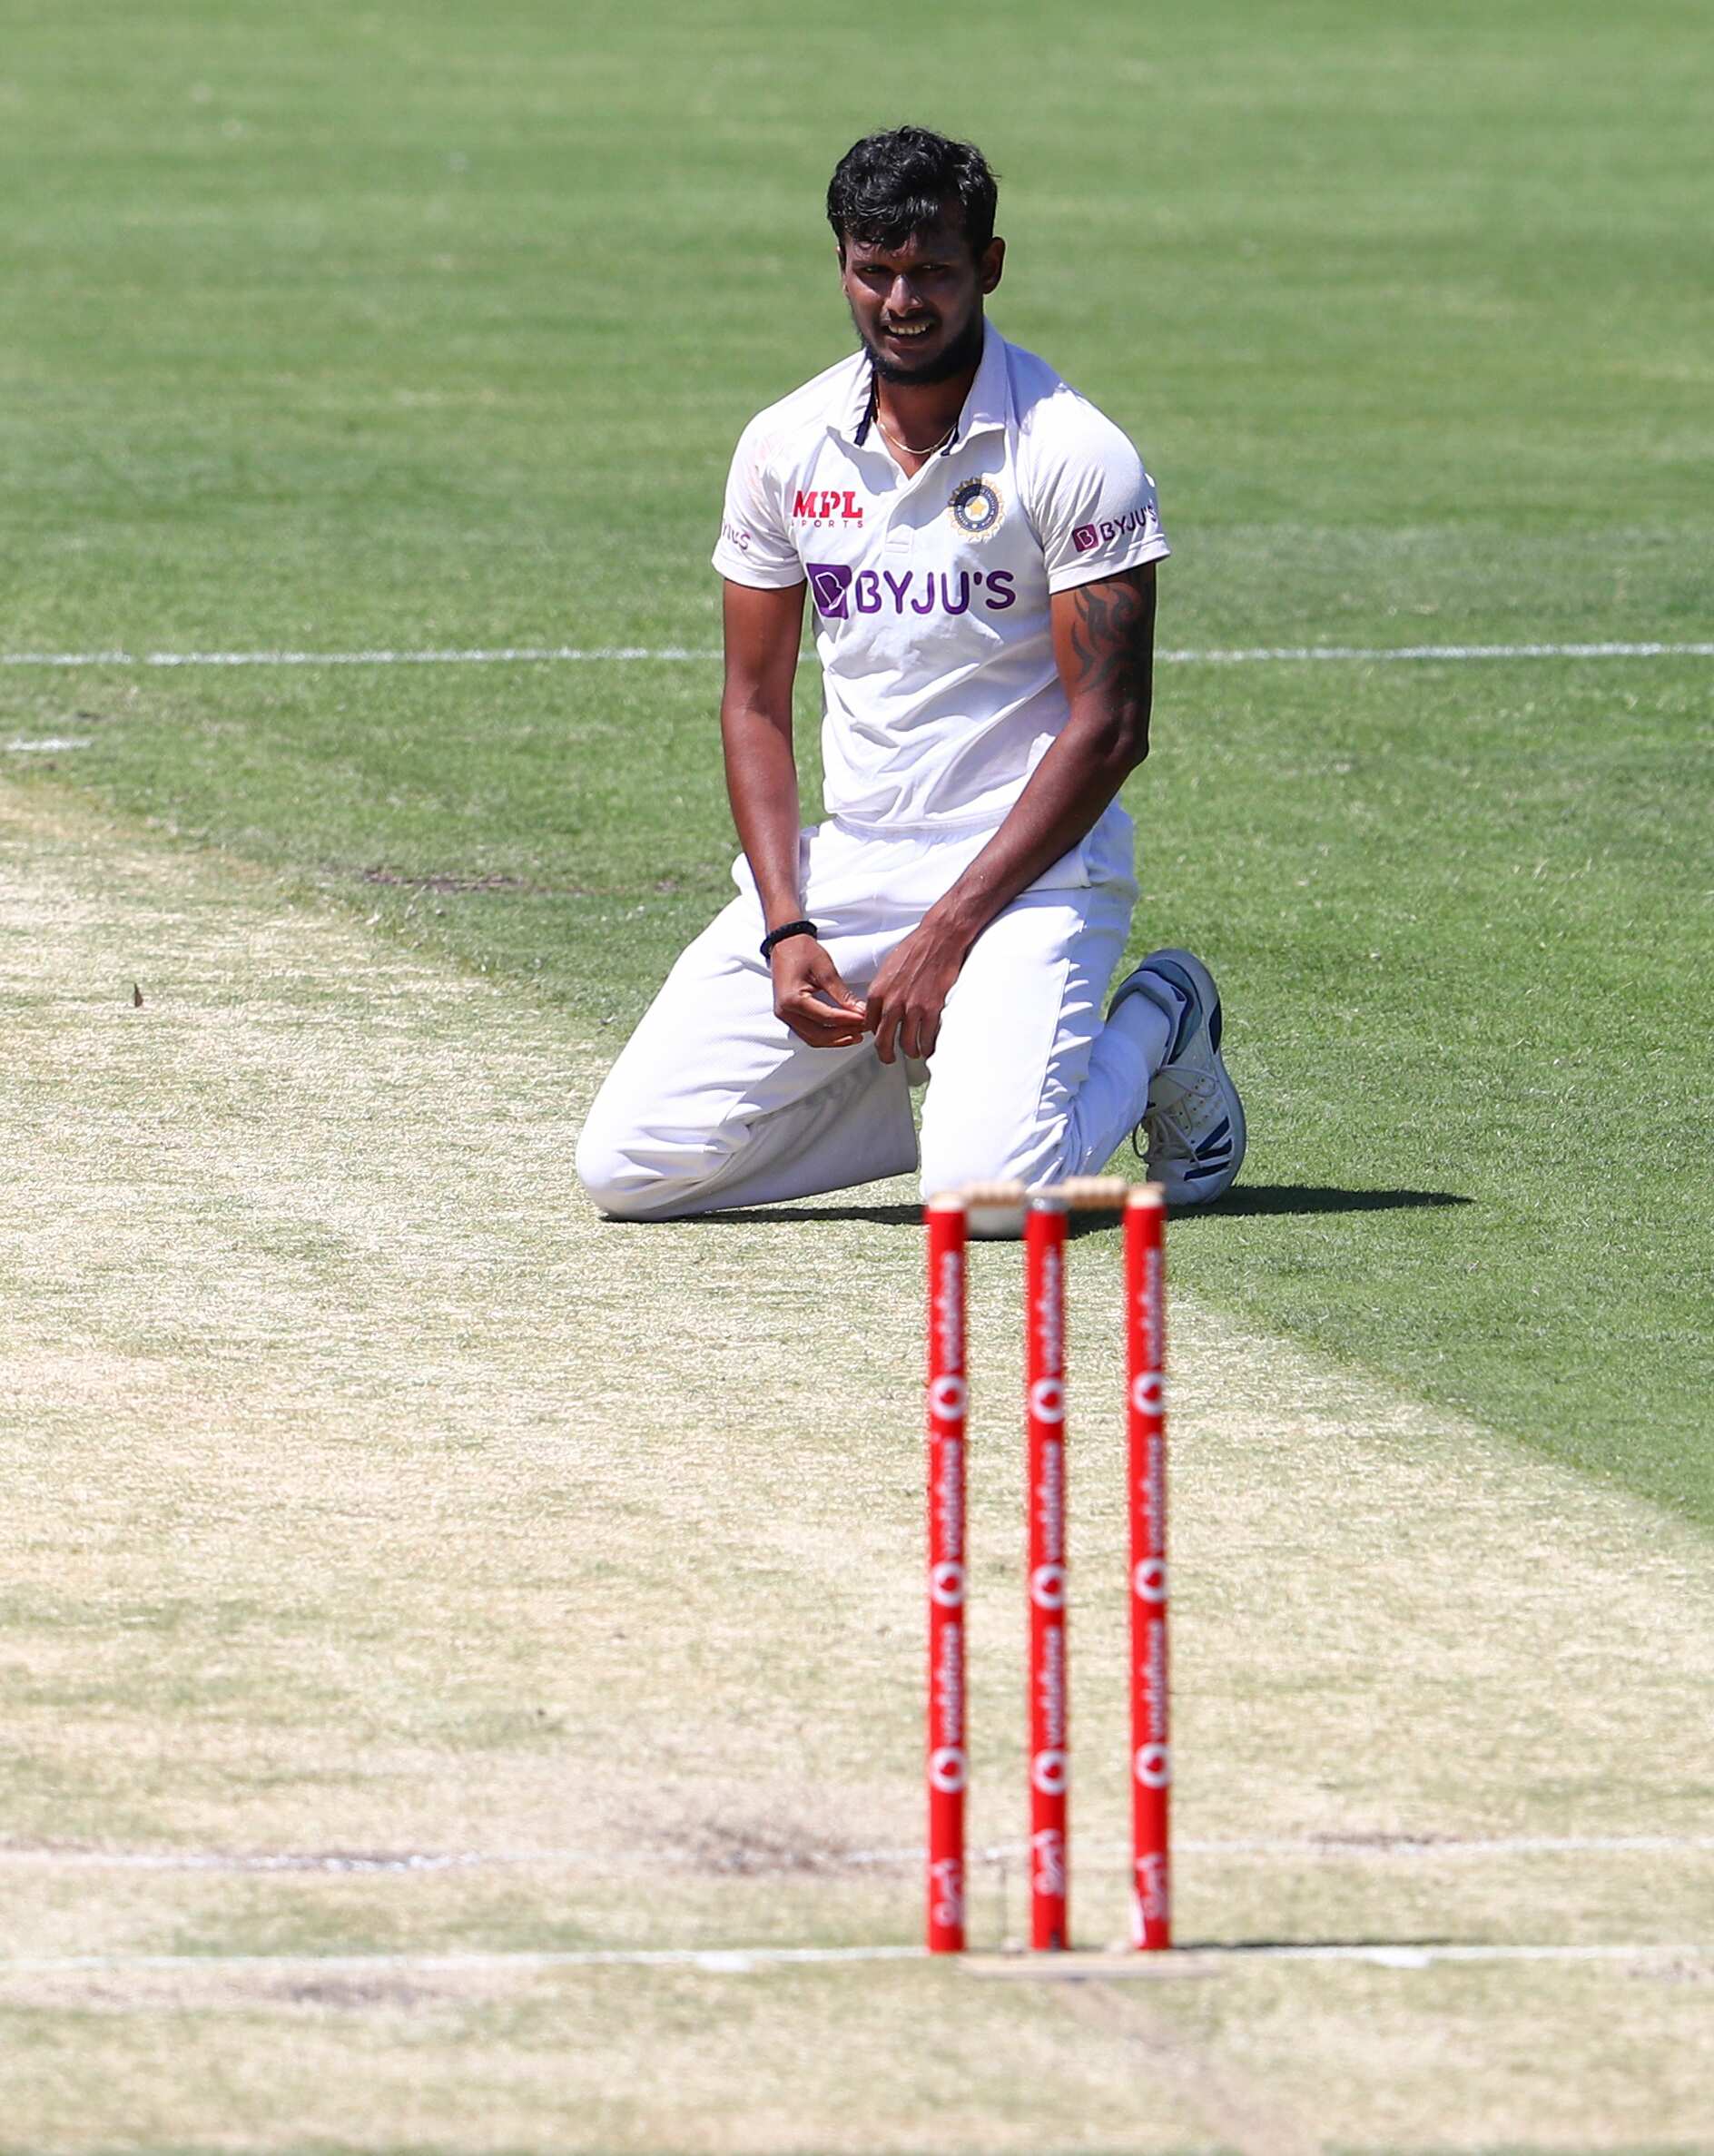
column 415, row 1585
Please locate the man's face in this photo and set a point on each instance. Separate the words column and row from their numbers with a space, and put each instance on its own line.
column 917, row 307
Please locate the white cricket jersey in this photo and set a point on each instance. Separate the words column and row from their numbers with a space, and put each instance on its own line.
column 931, row 593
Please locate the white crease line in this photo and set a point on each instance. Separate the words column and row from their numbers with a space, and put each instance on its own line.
column 1431, row 1845
column 1425, row 1957
column 719, row 1959
column 745, row 1863
column 737, row 1960
column 571, row 654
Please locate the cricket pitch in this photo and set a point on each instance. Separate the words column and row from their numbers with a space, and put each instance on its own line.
column 423, row 1596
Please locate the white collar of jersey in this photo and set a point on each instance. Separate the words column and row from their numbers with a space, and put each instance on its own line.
column 988, row 405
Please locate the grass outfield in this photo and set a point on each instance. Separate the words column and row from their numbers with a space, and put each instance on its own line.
column 1408, row 319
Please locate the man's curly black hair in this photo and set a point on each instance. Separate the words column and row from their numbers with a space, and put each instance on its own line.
column 896, row 183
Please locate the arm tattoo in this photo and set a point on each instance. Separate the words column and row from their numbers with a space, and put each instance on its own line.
column 1113, row 637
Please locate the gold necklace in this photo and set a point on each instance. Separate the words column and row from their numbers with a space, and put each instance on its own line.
column 908, row 451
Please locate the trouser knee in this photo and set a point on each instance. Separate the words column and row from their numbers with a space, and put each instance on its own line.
column 958, row 1158
column 632, row 1176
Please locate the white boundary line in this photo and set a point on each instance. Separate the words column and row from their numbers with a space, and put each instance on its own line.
column 1319, row 1848
column 520, row 654
column 620, row 653
column 741, row 1961
column 1381, row 654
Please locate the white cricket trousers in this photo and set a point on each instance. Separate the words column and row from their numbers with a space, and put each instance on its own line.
column 713, row 1103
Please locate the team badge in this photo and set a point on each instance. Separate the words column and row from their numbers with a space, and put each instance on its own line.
column 975, row 507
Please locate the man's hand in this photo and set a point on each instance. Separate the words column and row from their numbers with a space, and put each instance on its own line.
column 810, row 997
column 903, row 1011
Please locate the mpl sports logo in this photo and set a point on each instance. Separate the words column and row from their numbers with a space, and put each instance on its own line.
column 826, row 504
column 1087, row 537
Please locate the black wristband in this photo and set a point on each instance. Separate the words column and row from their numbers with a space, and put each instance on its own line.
column 791, row 928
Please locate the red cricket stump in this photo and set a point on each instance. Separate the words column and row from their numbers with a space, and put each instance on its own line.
column 1151, row 1755
column 1049, row 1756
column 948, row 1768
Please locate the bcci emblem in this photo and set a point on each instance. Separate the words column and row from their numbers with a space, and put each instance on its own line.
column 975, row 508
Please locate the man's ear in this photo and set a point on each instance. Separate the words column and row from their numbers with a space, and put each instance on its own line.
column 992, row 264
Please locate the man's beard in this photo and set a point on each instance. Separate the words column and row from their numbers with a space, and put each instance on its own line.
column 964, row 351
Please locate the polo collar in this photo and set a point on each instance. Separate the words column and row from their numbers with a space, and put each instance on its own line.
column 989, row 404
column 986, row 405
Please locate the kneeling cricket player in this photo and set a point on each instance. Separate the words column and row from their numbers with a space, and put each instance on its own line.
column 977, row 544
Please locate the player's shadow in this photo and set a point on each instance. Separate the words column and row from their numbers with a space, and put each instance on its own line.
column 782, row 1216
column 1256, row 1200
column 1248, row 1201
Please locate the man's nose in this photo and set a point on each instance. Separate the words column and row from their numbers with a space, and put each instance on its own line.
column 901, row 296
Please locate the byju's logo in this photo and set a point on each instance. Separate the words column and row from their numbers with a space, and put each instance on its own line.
column 829, row 586
column 1086, row 537
column 838, row 591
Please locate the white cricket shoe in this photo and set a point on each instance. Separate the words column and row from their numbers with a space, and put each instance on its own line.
column 1192, row 1132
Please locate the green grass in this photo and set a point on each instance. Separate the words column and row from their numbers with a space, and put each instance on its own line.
column 337, row 329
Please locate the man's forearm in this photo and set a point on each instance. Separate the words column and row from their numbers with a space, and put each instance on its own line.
column 761, row 786
column 1068, row 792
column 1104, row 644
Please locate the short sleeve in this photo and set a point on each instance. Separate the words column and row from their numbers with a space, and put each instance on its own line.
column 1093, row 503
column 755, row 547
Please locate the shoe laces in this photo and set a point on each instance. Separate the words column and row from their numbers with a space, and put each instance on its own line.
column 1177, row 1105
